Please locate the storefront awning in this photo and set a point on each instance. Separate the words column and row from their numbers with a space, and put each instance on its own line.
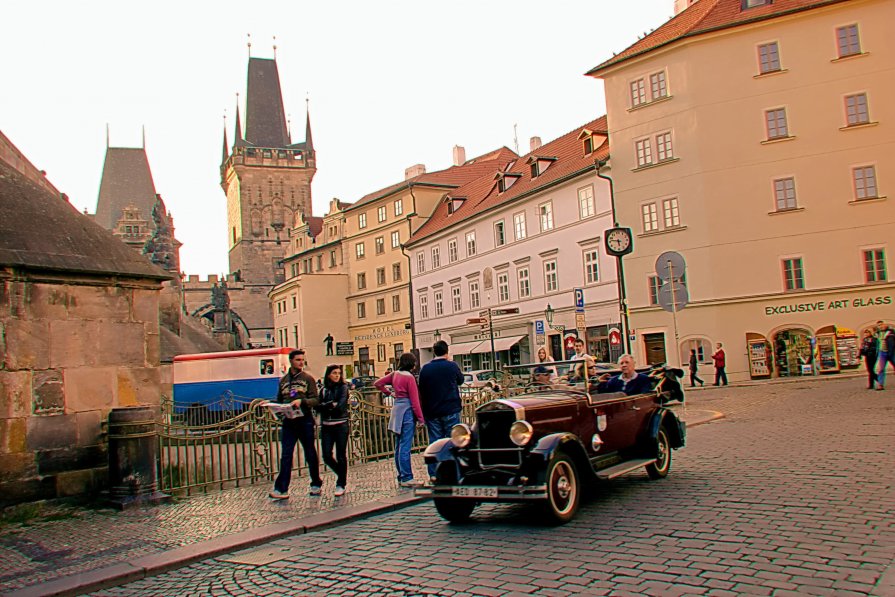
column 484, row 346
column 460, row 348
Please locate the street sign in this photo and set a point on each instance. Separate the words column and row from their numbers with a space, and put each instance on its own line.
column 615, row 337
column 507, row 311
column 483, row 313
column 673, row 302
column 539, row 326
column 579, row 300
column 475, row 320
column 345, row 349
column 670, row 263
column 579, row 321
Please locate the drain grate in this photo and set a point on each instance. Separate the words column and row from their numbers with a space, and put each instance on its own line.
column 259, row 557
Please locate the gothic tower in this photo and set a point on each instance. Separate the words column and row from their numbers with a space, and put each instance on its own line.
column 267, row 180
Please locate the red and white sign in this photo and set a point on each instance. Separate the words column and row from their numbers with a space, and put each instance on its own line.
column 569, row 342
column 615, row 336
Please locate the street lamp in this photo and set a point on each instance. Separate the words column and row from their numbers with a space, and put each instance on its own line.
column 549, row 313
column 437, row 335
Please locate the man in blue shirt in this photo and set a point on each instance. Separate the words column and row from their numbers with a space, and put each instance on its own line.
column 440, row 381
column 629, row 381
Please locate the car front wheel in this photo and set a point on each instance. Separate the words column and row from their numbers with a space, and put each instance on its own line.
column 563, row 489
column 454, row 509
column 660, row 468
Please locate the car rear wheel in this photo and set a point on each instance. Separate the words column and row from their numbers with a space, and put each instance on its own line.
column 563, row 489
column 660, row 468
column 455, row 509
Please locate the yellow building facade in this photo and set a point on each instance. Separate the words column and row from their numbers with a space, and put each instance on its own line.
column 757, row 140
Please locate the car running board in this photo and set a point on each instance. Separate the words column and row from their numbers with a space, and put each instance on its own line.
column 625, row 467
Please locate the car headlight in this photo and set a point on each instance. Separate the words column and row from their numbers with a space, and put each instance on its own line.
column 520, row 432
column 461, row 435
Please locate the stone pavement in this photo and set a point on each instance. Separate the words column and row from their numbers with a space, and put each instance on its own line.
column 69, row 550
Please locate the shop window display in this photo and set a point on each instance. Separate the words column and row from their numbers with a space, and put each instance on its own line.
column 793, row 353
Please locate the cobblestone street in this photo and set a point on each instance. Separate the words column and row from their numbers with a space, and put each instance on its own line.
column 791, row 494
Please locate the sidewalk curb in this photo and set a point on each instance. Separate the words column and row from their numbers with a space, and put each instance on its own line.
column 151, row 565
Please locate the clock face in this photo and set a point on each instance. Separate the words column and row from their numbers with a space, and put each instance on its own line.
column 618, row 240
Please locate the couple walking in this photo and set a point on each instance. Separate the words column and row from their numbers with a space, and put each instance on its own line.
column 435, row 403
column 878, row 352
column 720, row 361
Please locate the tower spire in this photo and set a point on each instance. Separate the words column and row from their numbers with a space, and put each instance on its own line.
column 309, row 142
column 226, row 151
column 144, row 136
column 107, row 135
column 238, row 139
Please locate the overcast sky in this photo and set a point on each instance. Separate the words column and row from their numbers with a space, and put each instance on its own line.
column 390, row 84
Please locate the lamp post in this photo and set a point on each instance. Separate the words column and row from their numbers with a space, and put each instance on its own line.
column 437, row 335
column 548, row 314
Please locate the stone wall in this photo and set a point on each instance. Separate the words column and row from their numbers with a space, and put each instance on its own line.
column 70, row 351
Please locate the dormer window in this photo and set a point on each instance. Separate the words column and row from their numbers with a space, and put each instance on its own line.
column 454, row 203
column 754, row 3
column 539, row 165
column 506, row 180
column 591, row 141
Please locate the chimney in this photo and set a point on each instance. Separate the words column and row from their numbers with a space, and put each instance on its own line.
column 414, row 170
column 534, row 143
column 459, row 155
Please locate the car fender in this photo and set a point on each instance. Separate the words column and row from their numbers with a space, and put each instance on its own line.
column 567, row 443
column 675, row 428
column 439, row 451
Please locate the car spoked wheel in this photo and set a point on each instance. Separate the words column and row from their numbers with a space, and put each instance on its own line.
column 660, row 468
column 563, row 489
column 452, row 509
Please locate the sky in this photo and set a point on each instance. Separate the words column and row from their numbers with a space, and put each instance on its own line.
column 389, row 84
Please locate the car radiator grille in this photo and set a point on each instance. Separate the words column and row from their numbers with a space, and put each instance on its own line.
column 494, row 434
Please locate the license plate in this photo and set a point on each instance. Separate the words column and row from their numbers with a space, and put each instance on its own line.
column 482, row 492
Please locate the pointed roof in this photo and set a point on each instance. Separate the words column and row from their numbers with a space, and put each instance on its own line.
column 238, row 141
column 38, row 230
column 567, row 158
column 309, row 143
column 126, row 180
column 226, row 151
column 706, row 16
column 265, row 116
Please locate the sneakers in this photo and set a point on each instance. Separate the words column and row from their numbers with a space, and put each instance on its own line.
column 276, row 494
column 339, row 492
column 410, row 483
column 315, row 490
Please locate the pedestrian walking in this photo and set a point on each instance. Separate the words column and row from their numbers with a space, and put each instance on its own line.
column 440, row 381
column 545, row 360
column 333, row 411
column 720, row 363
column 694, row 367
column 406, row 414
column 886, row 354
column 870, row 352
column 299, row 389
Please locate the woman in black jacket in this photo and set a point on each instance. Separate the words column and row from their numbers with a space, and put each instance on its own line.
column 869, row 350
column 333, row 411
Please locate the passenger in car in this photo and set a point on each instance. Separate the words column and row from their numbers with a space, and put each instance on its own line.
column 628, row 381
column 540, row 377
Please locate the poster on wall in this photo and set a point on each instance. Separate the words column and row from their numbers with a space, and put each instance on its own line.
column 828, row 357
column 847, row 347
column 758, row 359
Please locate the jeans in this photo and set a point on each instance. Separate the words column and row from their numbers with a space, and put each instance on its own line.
column 298, row 430
column 884, row 359
column 440, row 427
column 336, row 436
column 720, row 376
column 870, row 364
column 403, row 445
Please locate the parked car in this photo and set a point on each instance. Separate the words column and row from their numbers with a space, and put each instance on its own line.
column 480, row 378
column 547, row 445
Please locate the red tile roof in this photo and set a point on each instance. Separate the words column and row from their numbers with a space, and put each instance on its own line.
column 482, row 194
column 454, row 176
column 705, row 16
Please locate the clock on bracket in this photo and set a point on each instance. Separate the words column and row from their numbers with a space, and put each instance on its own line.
column 618, row 241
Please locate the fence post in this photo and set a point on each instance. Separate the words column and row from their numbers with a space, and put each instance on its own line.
column 133, row 456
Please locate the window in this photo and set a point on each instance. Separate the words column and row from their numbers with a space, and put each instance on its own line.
column 396, row 303
column 436, row 257
column 319, row 262
column 657, row 85
column 702, row 347
column 650, row 215
column 638, row 92
column 500, row 235
column 294, row 303
column 294, row 269
column 751, row 3
column 470, row 244
column 775, row 121
column 503, row 287
column 586, row 207
column 644, row 152
column 439, row 304
column 663, row 147
column 456, row 304
column 545, row 216
column 380, row 276
column 588, row 145
column 399, row 207
column 519, row 225
column 474, row 294
column 865, row 182
column 591, row 266
column 424, row 306
column 654, row 284
column 524, row 282
column 380, row 352
column 396, row 239
column 359, row 250
column 380, row 306
column 361, row 220
column 380, row 245
column 768, row 58
column 551, row 283
column 856, row 109
column 847, row 41
column 396, row 272
column 785, row 193
column 381, row 213
column 361, row 310
column 792, row 274
column 875, row 265
column 672, row 215
column 420, row 262
column 361, row 280
column 452, row 250
column 332, row 259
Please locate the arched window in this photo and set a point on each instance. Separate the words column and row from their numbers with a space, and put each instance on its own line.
column 703, row 347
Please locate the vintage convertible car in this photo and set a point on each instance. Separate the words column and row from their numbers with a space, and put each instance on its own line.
column 547, row 444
